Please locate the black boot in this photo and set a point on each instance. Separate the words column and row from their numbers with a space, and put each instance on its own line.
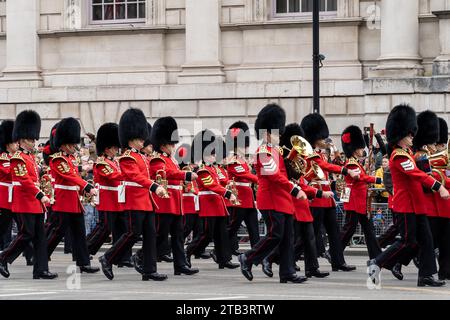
column 228, row 265
column 126, row 264
column 4, row 269
column 294, row 279
column 213, row 256
column 316, row 273
column 345, row 267
column 89, row 269
column 185, row 270
column 202, row 256
column 429, row 281
column 155, row 276
column 397, row 271
column 267, row 268
column 106, row 268
column 46, row 275
column 165, row 258
column 137, row 263
column 246, row 269
column 327, row 256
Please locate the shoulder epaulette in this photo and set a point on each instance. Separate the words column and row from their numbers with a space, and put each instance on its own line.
column 17, row 156
column 157, row 156
column 401, row 152
column 353, row 161
column 4, row 156
column 314, row 155
column 126, row 154
column 101, row 160
column 57, row 155
column 263, row 149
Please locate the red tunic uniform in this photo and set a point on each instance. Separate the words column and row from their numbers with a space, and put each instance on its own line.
column 440, row 165
column 25, row 179
column 190, row 198
column 211, row 193
column 224, row 180
column 107, row 178
column 274, row 189
column 358, row 193
column 302, row 211
column 428, row 196
column 319, row 159
column 68, row 184
column 167, row 166
column 239, row 171
column 136, row 174
column 408, row 183
column 5, row 182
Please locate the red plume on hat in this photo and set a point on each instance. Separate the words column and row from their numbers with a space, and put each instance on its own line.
column 346, row 138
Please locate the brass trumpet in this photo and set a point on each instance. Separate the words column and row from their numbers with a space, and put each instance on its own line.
column 234, row 191
column 161, row 179
column 300, row 149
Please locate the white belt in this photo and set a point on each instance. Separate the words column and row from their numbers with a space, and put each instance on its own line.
column 189, row 195
column 244, row 184
column 16, row 183
column 324, row 183
column 71, row 188
column 196, row 202
column 131, row 184
column 108, row 188
column 10, row 189
column 174, row 187
column 203, row 193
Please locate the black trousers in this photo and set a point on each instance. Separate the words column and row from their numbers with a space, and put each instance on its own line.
column 192, row 223
column 327, row 218
column 415, row 234
column 31, row 230
column 215, row 229
column 280, row 234
column 250, row 217
column 390, row 235
column 171, row 224
column 74, row 222
column 6, row 217
column 118, row 224
column 163, row 246
column 440, row 228
column 139, row 223
column 351, row 222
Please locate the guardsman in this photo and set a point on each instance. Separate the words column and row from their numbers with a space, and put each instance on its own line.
column 136, row 198
column 164, row 167
column 304, row 238
column 273, row 198
column 7, row 149
column 239, row 171
column 323, row 209
column 408, row 201
column 356, row 202
column 28, row 201
column 68, row 186
column 212, row 197
column 107, row 178
column 440, row 226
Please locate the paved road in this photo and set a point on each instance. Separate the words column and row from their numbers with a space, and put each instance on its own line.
column 211, row 283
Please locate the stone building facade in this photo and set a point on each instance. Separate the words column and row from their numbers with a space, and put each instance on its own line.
column 221, row 60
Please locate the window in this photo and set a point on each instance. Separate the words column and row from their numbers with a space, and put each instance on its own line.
column 299, row 7
column 117, row 11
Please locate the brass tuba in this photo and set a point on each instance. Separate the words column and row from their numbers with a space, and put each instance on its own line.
column 300, row 149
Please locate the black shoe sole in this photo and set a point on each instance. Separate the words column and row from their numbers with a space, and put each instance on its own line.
column 290, row 281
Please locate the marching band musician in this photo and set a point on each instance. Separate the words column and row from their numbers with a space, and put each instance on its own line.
column 324, row 210
column 440, row 226
column 169, row 210
column 136, row 198
column 408, row 201
column 212, row 197
column 68, row 185
column 28, row 200
column 274, row 198
column 356, row 203
column 238, row 142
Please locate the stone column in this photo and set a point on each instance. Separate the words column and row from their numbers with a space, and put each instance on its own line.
column 399, row 40
column 203, row 44
column 22, row 45
column 441, row 65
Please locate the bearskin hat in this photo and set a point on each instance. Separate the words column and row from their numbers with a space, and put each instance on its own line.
column 428, row 129
column 443, row 131
column 107, row 137
column 6, row 130
column 68, row 131
column 292, row 129
column 315, row 128
column 183, row 155
column 27, row 126
column 238, row 135
column 271, row 117
column 402, row 121
column 352, row 139
column 203, row 143
column 132, row 125
column 148, row 140
column 165, row 131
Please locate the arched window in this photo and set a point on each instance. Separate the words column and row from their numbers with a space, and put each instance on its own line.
column 299, row 7
column 117, row 11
